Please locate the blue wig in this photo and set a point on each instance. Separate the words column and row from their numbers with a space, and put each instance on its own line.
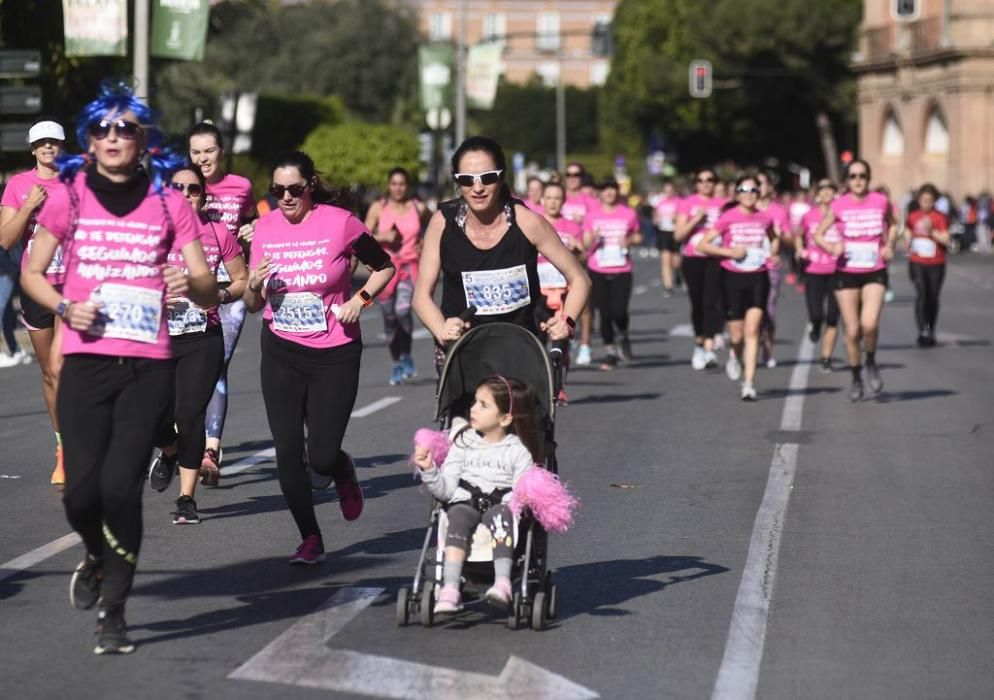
column 115, row 97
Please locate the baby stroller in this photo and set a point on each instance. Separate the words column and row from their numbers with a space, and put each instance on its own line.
column 512, row 351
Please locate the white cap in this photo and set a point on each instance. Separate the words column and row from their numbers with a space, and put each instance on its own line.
column 46, row 130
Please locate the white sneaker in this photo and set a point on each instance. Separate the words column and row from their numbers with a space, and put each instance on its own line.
column 710, row 359
column 23, row 357
column 771, row 363
column 583, row 355
column 697, row 360
column 733, row 368
column 719, row 342
column 748, row 392
column 9, row 360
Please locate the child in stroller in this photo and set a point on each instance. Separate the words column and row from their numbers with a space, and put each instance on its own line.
column 488, row 455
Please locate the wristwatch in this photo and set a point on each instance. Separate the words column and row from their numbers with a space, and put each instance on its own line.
column 62, row 308
column 367, row 299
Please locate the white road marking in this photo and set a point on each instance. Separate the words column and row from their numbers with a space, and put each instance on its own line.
column 26, row 561
column 738, row 676
column 301, row 656
column 241, row 465
column 375, row 406
column 682, row 330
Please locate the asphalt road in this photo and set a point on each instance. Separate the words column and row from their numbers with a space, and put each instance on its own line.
column 798, row 547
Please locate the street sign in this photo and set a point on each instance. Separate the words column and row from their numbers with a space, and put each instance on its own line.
column 20, row 64
column 14, row 137
column 20, row 100
column 700, row 78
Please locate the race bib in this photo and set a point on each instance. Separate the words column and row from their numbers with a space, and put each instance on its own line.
column 186, row 317
column 549, row 277
column 222, row 274
column 128, row 313
column 611, row 256
column 695, row 239
column 754, row 259
column 57, row 266
column 298, row 312
column 862, row 254
column 495, row 292
column 923, row 247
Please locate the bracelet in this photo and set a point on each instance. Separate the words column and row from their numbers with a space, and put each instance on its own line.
column 225, row 296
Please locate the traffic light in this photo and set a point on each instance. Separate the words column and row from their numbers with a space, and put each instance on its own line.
column 700, row 78
column 905, row 10
column 601, row 43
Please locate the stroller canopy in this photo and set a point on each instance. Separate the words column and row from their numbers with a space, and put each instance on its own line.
column 494, row 348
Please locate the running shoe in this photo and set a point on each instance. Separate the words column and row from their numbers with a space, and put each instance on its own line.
column 310, row 552
column 84, row 587
column 210, row 467
column 609, row 362
column 791, row 278
column 826, row 365
column 888, row 296
column 59, row 473
column 710, row 359
column 160, row 475
column 449, row 600
column 499, row 594
column 397, row 374
column 771, row 362
column 626, row 348
column 874, row 379
column 856, row 390
column 748, row 392
column 667, row 292
column 562, row 399
column 8, row 360
column 350, row 498
column 719, row 342
column 186, row 511
column 733, row 368
column 814, row 332
column 697, row 360
column 583, row 355
column 112, row 633
column 408, row 368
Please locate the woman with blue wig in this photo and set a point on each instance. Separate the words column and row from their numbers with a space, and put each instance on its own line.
column 116, row 220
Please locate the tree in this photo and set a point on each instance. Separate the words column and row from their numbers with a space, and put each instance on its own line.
column 361, row 154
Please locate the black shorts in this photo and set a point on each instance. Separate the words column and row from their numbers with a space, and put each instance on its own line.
column 857, row 280
column 666, row 241
column 35, row 316
column 743, row 291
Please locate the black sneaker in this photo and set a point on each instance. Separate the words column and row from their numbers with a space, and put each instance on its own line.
column 856, row 390
column 186, row 511
column 873, row 377
column 826, row 365
column 626, row 349
column 160, row 475
column 84, row 588
column 814, row 332
column 112, row 633
column 609, row 362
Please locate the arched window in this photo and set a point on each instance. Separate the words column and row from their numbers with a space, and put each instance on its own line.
column 936, row 133
column 893, row 141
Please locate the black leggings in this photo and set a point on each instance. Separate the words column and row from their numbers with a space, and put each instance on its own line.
column 703, row 276
column 610, row 294
column 928, row 284
column 197, row 362
column 109, row 409
column 315, row 387
column 818, row 289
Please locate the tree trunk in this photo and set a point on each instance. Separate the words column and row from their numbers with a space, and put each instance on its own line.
column 828, row 147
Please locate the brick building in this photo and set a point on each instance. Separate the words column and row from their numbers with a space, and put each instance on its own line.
column 926, row 95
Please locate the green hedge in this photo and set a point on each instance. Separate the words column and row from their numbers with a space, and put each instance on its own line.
column 361, row 154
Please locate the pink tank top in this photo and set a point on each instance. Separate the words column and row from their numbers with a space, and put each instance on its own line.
column 405, row 248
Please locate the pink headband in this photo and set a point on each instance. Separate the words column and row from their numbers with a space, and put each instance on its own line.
column 510, row 393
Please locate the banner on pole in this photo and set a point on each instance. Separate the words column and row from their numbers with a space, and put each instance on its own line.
column 483, row 69
column 95, row 27
column 436, row 76
column 179, row 29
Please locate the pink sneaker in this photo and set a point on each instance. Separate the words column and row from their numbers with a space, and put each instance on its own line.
column 350, row 499
column 310, row 551
column 449, row 600
column 499, row 594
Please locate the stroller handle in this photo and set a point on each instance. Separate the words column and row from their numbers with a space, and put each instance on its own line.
column 468, row 314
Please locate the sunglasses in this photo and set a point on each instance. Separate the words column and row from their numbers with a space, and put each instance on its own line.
column 748, row 190
column 124, row 129
column 490, row 177
column 294, row 190
column 705, row 179
column 40, row 143
column 858, row 176
column 192, row 189
column 574, row 174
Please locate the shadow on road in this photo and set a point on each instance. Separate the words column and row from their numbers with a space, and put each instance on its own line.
column 896, row 396
column 614, row 398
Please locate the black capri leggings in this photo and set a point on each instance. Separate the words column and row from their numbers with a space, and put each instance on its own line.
column 463, row 519
column 315, row 387
column 703, row 276
column 197, row 362
column 928, row 281
column 610, row 295
column 109, row 409
column 818, row 289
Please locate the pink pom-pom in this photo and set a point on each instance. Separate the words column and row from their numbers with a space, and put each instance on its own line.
column 541, row 492
column 436, row 442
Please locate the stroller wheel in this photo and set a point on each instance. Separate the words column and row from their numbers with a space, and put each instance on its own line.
column 539, row 611
column 403, row 607
column 552, row 595
column 428, row 605
column 514, row 617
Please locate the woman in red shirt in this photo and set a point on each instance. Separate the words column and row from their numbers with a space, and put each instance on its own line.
column 927, row 237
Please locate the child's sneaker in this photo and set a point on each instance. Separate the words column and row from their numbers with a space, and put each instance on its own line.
column 449, row 600
column 499, row 594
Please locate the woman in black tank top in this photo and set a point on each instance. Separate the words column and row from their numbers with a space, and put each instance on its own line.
column 484, row 246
